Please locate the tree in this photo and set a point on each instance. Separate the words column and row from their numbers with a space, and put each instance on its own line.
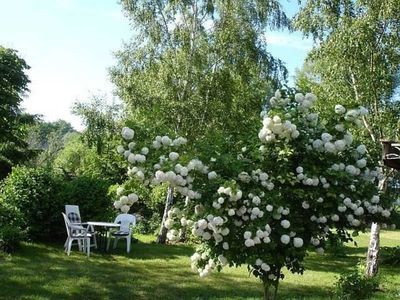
column 102, row 123
column 13, row 121
column 356, row 62
column 198, row 68
column 48, row 139
column 266, row 217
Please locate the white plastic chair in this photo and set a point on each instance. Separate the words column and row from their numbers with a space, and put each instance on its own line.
column 126, row 222
column 78, row 233
column 74, row 216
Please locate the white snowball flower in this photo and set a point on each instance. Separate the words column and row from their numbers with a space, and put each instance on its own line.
column 326, row 137
column 348, row 138
column 133, row 197
column 361, row 149
column 330, row 147
column 340, row 145
column 315, row 241
column 298, row 242
column 225, row 246
column 359, row 211
column 249, row 243
column 131, row 145
column 125, row 208
column 120, row 149
column 127, row 133
column 265, row 267
column 132, row 158
column 212, row 175
column 299, row 169
column 305, row 205
column 285, row 224
column 285, row 239
column 317, row 144
column 269, row 208
column 231, row 212
column 361, row 163
column 222, row 259
column 166, row 141
column 156, row 145
column 339, row 109
column 173, row 156
column 144, row 151
column 247, row 235
column 320, row 250
column 335, row 218
column 140, row 158
column 299, row 97
column 117, row 204
column 375, row 199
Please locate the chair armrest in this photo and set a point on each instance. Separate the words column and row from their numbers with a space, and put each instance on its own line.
column 77, row 227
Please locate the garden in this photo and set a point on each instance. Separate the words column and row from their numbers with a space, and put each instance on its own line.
column 240, row 186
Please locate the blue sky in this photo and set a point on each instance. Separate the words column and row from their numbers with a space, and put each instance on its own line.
column 69, row 45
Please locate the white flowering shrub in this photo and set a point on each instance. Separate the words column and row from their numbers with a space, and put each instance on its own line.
column 305, row 181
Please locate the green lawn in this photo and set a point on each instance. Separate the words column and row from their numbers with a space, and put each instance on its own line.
column 150, row 271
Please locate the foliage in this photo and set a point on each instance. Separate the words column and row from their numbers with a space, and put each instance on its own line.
column 356, row 59
column 197, row 67
column 91, row 195
column 48, row 138
column 33, row 192
column 11, row 229
column 391, row 256
column 13, row 122
column 266, row 217
column 78, row 159
column 355, row 285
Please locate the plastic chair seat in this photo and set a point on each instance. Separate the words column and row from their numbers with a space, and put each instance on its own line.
column 121, row 233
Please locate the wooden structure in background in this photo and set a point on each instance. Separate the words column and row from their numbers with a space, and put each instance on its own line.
column 391, row 154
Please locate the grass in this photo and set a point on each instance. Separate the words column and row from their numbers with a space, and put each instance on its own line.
column 151, row 271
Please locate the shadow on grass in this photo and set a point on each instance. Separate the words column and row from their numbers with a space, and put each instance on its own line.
column 150, row 271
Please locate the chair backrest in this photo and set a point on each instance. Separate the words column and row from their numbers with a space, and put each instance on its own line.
column 126, row 221
column 67, row 224
column 73, row 214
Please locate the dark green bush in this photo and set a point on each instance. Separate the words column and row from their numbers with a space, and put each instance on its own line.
column 390, row 256
column 91, row 195
column 33, row 192
column 355, row 285
column 11, row 232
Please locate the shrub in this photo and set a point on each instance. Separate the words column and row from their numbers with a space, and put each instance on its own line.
column 11, row 232
column 391, row 256
column 91, row 195
column 33, row 192
column 355, row 285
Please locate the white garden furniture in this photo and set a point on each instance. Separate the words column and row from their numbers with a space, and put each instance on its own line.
column 74, row 216
column 126, row 222
column 76, row 233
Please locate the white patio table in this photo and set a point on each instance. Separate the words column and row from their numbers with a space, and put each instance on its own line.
column 104, row 232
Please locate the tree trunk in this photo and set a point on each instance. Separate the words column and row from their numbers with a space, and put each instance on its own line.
column 270, row 288
column 373, row 251
column 373, row 248
column 162, row 236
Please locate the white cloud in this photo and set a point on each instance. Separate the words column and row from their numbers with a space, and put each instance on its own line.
column 289, row 40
